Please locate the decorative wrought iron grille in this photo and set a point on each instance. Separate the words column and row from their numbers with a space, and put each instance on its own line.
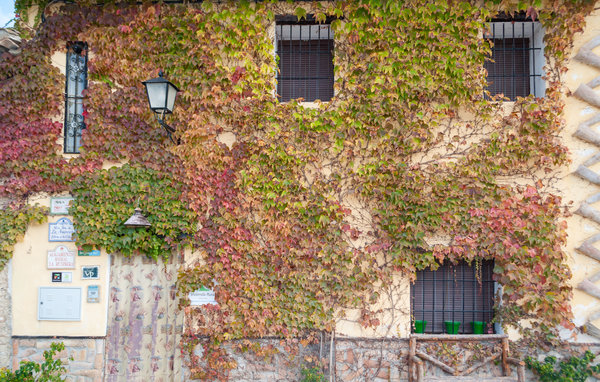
column 516, row 66
column 76, row 82
column 305, row 50
column 458, row 292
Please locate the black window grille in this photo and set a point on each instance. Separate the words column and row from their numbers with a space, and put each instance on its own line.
column 454, row 293
column 516, row 66
column 305, row 50
column 76, row 82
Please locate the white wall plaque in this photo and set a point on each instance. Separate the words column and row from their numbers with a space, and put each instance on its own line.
column 61, row 258
column 60, row 206
column 202, row 296
column 67, row 277
column 62, row 230
column 59, row 304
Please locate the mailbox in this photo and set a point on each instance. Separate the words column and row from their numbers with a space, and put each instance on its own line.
column 59, row 304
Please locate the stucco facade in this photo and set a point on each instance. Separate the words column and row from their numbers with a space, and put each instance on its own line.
column 136, row 310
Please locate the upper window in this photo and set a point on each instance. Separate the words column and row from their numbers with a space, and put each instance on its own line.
column 305, row 50
column 76, row 82
column 515, row 68
column 454, row 293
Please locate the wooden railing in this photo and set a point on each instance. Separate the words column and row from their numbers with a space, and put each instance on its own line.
column 417, row 359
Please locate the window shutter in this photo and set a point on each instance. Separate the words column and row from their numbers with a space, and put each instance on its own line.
column 509, row 72
column 305, row 53
column 76, row 82
column 453, row 293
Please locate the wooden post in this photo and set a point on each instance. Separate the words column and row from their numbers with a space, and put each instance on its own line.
column 521, row 373
column 420, row 372
column 412, row 351
column 505, row 366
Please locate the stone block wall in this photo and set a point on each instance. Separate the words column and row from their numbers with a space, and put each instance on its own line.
column 374, row 360
column 281, row 361
column 377, row 360
column 87, row 364
column 5, row 319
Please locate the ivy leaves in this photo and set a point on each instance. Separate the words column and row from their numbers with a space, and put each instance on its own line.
column 270, row 213
column 14, row 220
column 105, row 199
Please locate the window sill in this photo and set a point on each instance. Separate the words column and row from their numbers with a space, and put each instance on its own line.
column 457, row 337
column 70, row 156
column 309, row 105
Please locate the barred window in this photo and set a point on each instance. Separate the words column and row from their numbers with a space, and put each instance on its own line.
column 515, row 68
column 305, row 51
column 454, row 292
column 76, row 82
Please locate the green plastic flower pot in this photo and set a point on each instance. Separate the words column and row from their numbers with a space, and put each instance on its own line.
column 452, row 326
column 420, row 326
column 478, row 327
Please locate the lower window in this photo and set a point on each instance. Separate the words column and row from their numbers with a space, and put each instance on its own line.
column 454, row 293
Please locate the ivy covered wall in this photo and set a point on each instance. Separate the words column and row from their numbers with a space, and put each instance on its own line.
column 310, row 210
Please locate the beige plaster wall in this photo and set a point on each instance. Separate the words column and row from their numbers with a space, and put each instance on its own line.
column 29, row 261
column 394, row 314
column 29, row 272
column 575, row 189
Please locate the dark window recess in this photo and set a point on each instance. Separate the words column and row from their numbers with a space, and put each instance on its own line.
column 305, row 51
column 454, row 293
column 76, row 82
column 515, row 67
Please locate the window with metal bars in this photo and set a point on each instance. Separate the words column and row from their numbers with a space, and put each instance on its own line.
column 515, row 68
column 454, row 292
column 305, row 51
column 76, row 82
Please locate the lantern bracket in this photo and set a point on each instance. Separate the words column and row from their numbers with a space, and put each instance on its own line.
column 170, row 130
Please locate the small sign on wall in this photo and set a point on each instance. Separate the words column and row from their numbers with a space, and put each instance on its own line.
column 62, row 277
column 60, row 206
column 90, row 272
column 94, row 252
column 61, row 258
column 93, row 293
column 62, row 230
column 202, row 296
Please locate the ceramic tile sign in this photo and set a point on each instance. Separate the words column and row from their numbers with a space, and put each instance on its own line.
column 93, row 293
column 61, row 258
column 202, row 296
column 62, row 230
column 62, row 277
column 60, row 206
column 90, row 272
column 94, row 252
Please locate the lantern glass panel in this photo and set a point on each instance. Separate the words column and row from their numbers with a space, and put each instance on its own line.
column 171, row 97
column 157, row 95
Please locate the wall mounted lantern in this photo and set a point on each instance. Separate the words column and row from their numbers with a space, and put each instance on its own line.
column 161, row 97
column 137, row 220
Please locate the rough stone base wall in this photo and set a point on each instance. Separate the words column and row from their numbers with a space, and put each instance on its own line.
column 5, row 319
column 87, row 364
column 376, row 360
column 279, row 365
column 362, row 360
